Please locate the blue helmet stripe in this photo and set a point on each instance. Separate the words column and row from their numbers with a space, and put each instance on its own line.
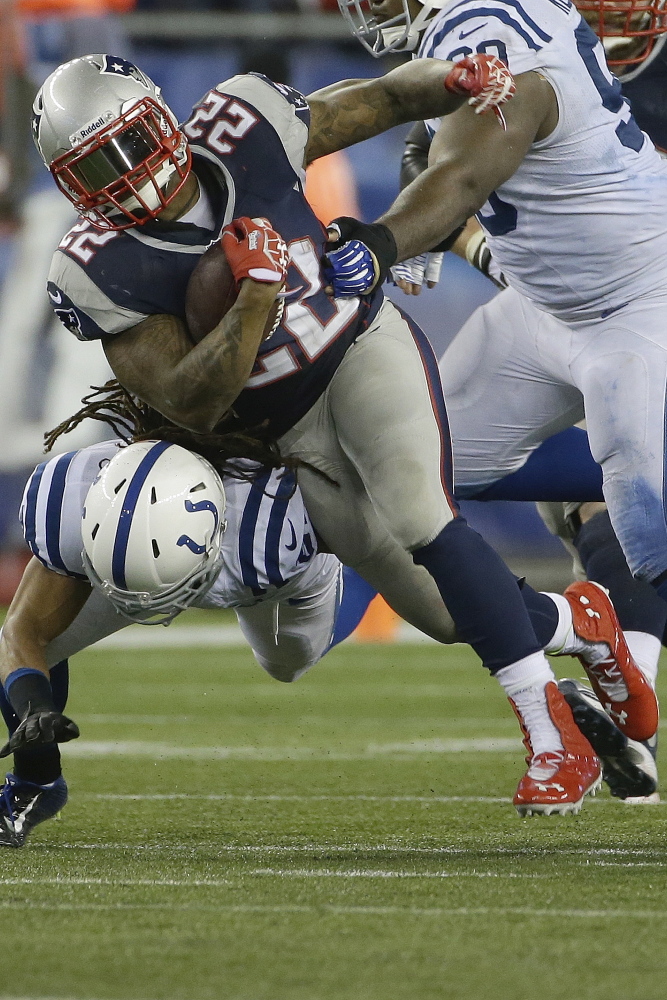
column 275, row 529
column 54, row 506
column 127, row 513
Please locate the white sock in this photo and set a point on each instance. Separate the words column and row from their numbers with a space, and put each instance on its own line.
column 564, row 637
column 645, row 649
column 524, row 682
column 566, row 642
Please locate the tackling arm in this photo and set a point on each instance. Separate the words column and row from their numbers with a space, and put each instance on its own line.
column 353, row 110
column 470, row 156
column 44, row 605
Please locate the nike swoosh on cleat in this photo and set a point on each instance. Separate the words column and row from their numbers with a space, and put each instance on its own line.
column 464, row 34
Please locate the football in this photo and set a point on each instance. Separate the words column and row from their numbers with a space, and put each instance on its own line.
column 212, row 292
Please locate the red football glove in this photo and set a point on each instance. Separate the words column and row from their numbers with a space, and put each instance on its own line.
column 254, row 250
column 487, row 80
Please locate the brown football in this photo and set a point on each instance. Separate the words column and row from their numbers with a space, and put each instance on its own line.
column 212, row 292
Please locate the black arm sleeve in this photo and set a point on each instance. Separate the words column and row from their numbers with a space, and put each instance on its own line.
column 415, row 154
column 413, row 163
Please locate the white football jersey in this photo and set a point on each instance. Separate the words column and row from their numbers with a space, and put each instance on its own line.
column 269, row 539
column 575, row 228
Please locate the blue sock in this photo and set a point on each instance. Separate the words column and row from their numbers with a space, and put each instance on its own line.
column 357, row 595
column 40, row 765
column 482, row 595
column 638, row 606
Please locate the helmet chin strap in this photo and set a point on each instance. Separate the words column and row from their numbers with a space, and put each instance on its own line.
column 148, row 193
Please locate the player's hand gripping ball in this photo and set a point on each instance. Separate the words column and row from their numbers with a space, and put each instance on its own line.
column 214, row 283
column 488, row 81
column 255, row 250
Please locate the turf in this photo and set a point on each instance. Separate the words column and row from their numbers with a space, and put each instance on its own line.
column 349, row 836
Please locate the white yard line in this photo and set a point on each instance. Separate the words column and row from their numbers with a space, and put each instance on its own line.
column 327, row 909
column 367, row 873
column 67, row 880
column 181, row 849
column 188, row 636
column 224, row 797
column 136, row 748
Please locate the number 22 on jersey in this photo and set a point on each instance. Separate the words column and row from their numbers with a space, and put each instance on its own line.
column 312, row 332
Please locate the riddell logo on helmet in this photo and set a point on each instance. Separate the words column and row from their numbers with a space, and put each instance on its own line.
column 91, row 128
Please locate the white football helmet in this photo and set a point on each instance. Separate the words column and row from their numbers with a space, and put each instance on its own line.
column 152, row 530
column 110, row 141
column 400, row 33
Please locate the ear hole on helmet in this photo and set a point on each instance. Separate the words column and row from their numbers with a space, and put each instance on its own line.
column 156, row 549
column 118, row 488
column 94, row 531
column 199, row 486
column 153, row 495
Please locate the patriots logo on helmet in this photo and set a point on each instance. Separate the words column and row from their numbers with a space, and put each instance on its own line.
column 117, row 66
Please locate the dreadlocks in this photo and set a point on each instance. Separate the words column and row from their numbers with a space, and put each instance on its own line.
column 133, row 420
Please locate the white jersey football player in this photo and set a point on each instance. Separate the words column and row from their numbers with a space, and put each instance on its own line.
column 569, row 220
column 634, row 37
column 161, row 531
column 571, row 197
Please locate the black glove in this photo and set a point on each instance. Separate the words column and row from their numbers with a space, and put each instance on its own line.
column 38, row 729
column 341, row 272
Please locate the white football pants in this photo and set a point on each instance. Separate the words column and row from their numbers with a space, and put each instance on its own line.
column 286, row 637
column 514, row 376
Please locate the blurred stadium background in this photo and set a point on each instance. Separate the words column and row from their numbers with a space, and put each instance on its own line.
column 186, row 46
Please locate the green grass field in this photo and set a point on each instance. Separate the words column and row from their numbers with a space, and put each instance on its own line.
column 349, row 836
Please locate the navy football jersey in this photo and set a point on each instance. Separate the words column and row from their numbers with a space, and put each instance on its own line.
column 248, row 137
column 646, row 89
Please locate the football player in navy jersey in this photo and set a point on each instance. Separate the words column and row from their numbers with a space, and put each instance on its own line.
column 633, row 35
column 348, row 387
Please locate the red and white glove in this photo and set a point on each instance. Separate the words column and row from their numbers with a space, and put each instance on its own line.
column 254, row 250
column 487, row 80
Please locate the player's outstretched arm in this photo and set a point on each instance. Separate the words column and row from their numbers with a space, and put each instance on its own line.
column 353, row 110
column 469, row 158
column 44, row 606
column 194, row 386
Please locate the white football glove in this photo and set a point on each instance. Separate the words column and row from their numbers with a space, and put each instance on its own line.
column 411, row 274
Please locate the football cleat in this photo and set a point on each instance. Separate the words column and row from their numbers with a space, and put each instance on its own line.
column 23, row 805
column 628, row 767
column 621, row 687
column 557, row 781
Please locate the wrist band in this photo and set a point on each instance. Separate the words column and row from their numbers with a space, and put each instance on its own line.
column 29, row 690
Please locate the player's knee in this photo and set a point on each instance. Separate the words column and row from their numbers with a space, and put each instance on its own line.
column 286, row 672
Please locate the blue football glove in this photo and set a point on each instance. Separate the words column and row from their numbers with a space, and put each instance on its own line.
column 350, row 270
column 360, row 259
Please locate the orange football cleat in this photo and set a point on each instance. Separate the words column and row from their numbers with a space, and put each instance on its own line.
column 557, row 781
column 624, row 692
